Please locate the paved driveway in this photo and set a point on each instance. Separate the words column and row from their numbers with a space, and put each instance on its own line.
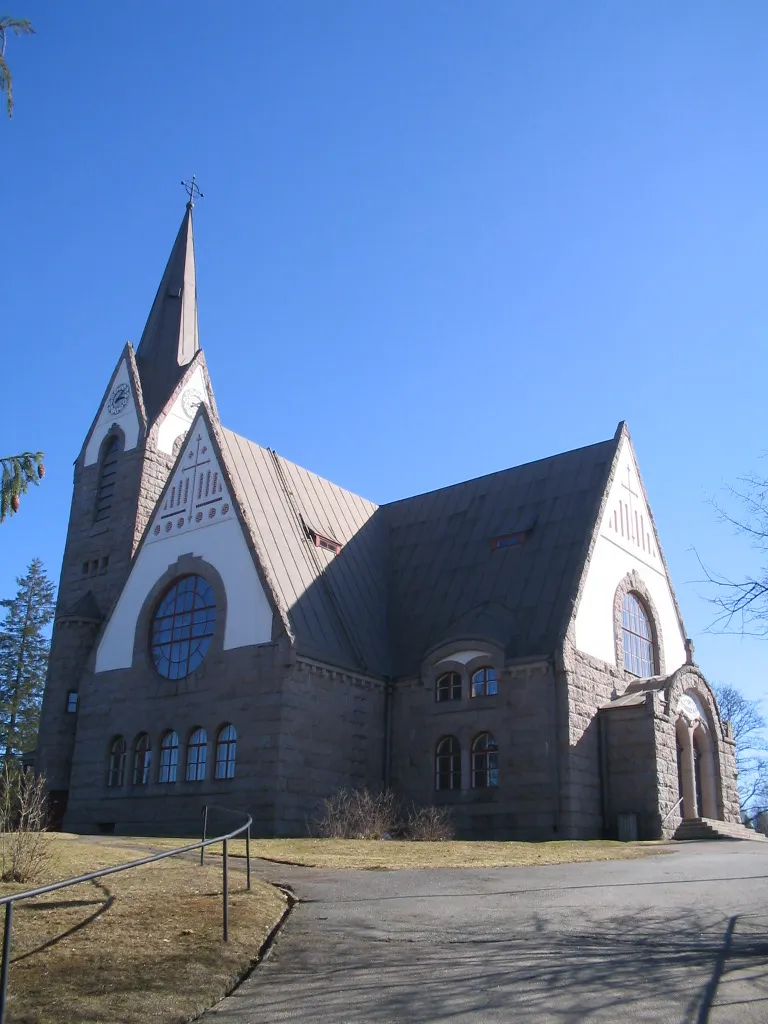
column 675, row 938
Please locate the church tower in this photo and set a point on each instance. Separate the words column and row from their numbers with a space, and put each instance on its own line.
column 142, row 418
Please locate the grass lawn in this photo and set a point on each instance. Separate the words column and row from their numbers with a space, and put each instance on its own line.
column 392, row 854
column 139, row 946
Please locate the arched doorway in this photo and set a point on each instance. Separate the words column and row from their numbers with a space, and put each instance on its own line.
column 697, row 774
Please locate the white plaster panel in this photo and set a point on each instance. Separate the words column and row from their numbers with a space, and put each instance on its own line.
column 127, row 419
column 625, row 541
column 249, row 616
column 182, row 412
column 464, row 657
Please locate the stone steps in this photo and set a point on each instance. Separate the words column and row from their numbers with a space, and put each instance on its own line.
column 708, row 828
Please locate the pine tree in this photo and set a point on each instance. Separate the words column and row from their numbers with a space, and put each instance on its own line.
column 19, row 471
column 24, row 653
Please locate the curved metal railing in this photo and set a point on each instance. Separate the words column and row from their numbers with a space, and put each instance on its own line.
column 8, row 901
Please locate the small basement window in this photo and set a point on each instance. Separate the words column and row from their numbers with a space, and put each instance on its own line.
column 508, row 540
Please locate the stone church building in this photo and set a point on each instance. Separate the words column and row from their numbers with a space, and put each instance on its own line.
column 233, row 629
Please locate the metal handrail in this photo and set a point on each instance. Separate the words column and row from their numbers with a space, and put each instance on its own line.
column 8, row 901
column 672, row 808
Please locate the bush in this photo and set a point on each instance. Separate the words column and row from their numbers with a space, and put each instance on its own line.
column 24, row 848
column 361, row 814
column 429, row 825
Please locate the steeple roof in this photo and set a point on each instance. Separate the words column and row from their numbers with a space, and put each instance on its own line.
column 170, row 339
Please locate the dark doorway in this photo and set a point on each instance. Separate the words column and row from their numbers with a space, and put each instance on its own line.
column 57, row 808
column 697, row 775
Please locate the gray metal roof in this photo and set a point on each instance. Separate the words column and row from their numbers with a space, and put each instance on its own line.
column 421, row 571
column 336, row 604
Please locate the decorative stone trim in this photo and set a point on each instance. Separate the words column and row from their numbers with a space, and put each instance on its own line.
column 633, row 584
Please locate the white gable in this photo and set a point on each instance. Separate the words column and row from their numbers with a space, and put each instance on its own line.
column 179, row 417
column 626, row 541
column 119, row 407
column 196, row 517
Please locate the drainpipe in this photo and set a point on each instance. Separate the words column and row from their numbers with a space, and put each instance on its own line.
column 602, row 753
column 388, row 694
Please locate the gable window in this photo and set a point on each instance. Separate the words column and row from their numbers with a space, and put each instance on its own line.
column 448, row 764
column 107, row 479
column 182, row 627
column 116, row 768
column 169, row 757
column 485, row 761
column 197, row 754
column 637, row 637
column 226, row 745
column 448, row 687
column 484, row 683
column 142, row 758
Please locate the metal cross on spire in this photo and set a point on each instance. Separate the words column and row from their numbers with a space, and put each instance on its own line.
column 192, row 189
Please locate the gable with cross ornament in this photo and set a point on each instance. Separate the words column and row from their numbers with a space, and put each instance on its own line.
column 197, row 497
column 626, row 543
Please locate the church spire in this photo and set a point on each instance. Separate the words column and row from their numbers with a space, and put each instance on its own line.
column 170, row 339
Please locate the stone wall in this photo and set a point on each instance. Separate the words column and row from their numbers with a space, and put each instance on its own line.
column 630, row 782
column 522, row 717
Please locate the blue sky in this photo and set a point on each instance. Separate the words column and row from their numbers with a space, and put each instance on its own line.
column 437, row 239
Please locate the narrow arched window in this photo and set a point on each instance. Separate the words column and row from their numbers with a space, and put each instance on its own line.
column 197, row 753
column 637, row 636
column 448, row 687
column 484, row 683
column 107, row 479
column 169, row 757
column 448, row 764
column 116, row 766
column 142, row 758
column 226, row 744
column 485, row 761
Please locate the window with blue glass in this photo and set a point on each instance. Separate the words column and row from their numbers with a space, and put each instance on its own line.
column 182, row 627
column 637, row 635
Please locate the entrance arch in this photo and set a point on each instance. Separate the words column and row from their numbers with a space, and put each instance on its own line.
column 697, row 769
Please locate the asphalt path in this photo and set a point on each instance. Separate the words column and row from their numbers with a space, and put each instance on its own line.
column 678, row 938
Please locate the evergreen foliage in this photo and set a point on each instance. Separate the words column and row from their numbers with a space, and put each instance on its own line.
column 19, row 27
column 19, row 471
column 24, row 653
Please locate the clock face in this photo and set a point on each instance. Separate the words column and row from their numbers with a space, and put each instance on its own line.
column 118, row 399
column 190, row 401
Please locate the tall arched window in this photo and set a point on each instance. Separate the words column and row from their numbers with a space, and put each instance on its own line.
column 485, row 761
column 484, row 683
column 448, row 764
column 226, row 744
column 197, row 754
column 116, row 767
column 448, row 687
column 169, row 757
column 142, row 758
column 107, row 479
column 637, row 636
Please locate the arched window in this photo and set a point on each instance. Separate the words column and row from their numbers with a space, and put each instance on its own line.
column 226, row 743
column 484, row 683
column 116, row 767
column 169, row 757
column 448, row 687
column 638, row 637
column 448, row 764
column 107, row 479
column 182, row 626
column 485, row 761
column 197, row 754
column 142, row 758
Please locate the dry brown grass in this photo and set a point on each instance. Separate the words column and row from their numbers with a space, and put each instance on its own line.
column 139, row 946
column 393, row 854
